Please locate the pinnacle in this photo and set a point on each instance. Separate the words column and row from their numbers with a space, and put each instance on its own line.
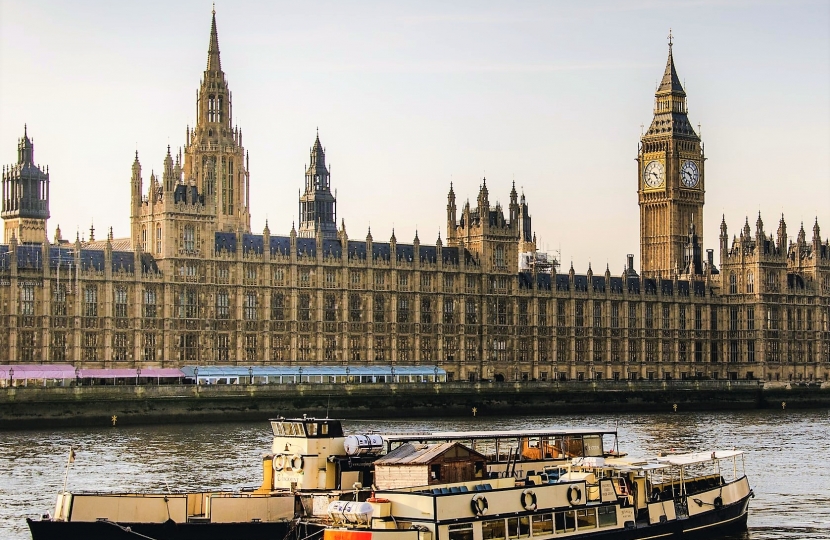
column 213, row 63
column 671, row 82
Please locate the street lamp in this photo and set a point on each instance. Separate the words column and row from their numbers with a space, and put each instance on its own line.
column 436, row 373
column 250, row 375
column 11, row 375
column 196, row 375
column 77, row 376
column 137, row 374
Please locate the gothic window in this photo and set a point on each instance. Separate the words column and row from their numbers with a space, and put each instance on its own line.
column 89, row 346
column 682, row 351
column 667, row 351
column 149, row 347
column 543, row 350
column 403, row 280
column 158, row 239
column 120, row 302
column 144, row 238
column 355, row 308
column 651, row 351
column 58, row 346
column 90, row 301
column 561, row 350
column 715, row 349
column 403, row 309
column 189, row 238
column 354, row 278
column 750, row 318
column 733, row 319
column 27, row 346
column 543, row 312
column 579, row 313
column 211, row 107
column 279, row 348
column 379, row 309
column 448, row 282
column 230, row 183
column 615, row 350
column 524, row 318
column 223, row 349
column 498, row 257
column 771, row 284
column 649, row 315
column 277, row 307
column 149, row 306
column 188, row 347
column 59, row 301
column 449, row 311
column 188, row 305
column 354, row 348
column 305, row 277
column 597, row 314
column 331, row 278
column 632, row 315
column 380, row 279
column 330, row 349
column 426, row 310
column 426, row 282
column 119, row 347
column 733, row 352
column 27, row 300
column 279, row 276
column 733, row 283
column 698, row 318
column 250, row 272
column 329, row 308
column 633, row 350
column 219, row 109
column 599, row 346
column 304, row 348
column 615, row 314
column 471, row 312
column 666, row 318
column 471, row 284
column 499, row 350
column 472, row 349
column 525, row 350
column 698, row 351
column 304, row 307
column 251, row 351
column 380, row 349
column 772, row 318
column 250, row 308
column 750, row 352
column 404, row 351
column 560, row 313
column 750, row 283
column 581, row 349
column 222, row 305
column 681, row 322
column 809, row 320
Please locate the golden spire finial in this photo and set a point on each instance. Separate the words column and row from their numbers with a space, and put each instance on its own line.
column 213, row 11
column 670, row 39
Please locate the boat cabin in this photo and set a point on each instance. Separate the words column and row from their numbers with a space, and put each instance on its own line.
column 414, row 464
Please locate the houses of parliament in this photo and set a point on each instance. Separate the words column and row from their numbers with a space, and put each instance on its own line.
column 195, row 285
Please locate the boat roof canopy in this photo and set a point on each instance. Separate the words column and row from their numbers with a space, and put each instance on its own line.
column 467, row 435
column 680, row 460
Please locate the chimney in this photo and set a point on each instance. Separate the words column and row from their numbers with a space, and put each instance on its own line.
column 630, row 266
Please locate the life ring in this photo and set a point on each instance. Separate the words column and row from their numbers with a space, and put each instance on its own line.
column 718, row 502
column 297, row 462
column 529, row 500
column 279, row 462
column 574, row 496
column 479, row 505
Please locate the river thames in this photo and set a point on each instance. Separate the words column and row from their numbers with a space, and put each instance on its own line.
column 786, row 459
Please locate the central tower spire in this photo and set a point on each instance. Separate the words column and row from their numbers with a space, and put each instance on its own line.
column 213, row 62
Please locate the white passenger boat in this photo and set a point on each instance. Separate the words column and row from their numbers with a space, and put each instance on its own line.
column 493, row 485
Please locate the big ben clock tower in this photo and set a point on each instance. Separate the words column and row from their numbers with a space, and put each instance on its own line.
column 670, row 181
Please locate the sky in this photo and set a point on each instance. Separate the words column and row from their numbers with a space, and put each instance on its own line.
column 410, row 96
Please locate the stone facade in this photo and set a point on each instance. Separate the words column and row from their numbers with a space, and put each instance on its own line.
column 194, row 286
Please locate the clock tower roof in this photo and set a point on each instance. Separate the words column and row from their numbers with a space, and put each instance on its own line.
column 671, row 82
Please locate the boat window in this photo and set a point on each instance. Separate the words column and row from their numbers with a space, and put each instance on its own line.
column 324, row 429
column 586, row 519
column 311, row 428
column 572, row 446
column 518, row 527
column 565, row 521
column 607, row 516
column 542, row 524
column 592, row 445
column 492, row 529
column 462, row 531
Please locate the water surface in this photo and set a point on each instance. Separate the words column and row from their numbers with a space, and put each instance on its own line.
column 786, row 459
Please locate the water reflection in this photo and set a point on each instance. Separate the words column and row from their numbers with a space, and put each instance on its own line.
column 784, row 461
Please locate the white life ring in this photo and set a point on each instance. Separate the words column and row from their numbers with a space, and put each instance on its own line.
column 529, row 500
column 279, row 462
column 297, row 462
column 479, row 505
column 574, row 495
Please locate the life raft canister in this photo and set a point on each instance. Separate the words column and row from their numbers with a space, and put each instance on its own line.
column 479, row 505
column 574, row 496
column 529, row 500
column 297, row 462
column 279, row 462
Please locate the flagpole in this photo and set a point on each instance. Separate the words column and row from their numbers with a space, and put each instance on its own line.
column 68, row 463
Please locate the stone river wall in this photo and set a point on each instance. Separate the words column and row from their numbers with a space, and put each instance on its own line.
column 37, row 407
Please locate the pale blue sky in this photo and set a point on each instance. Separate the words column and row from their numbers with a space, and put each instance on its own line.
column 411, row 95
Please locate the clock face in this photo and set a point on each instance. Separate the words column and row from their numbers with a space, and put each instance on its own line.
column 689, row 174
column 653, row 174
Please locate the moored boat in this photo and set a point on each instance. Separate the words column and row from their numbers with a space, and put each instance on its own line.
column 489, row 485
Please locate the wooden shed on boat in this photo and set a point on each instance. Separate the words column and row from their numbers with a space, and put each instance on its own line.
column 427, row 464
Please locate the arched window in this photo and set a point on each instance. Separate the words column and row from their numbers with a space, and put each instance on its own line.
column 733, row 283
column 189, row 238
column 158, row 239
column 750, row 282
column 144, row 238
